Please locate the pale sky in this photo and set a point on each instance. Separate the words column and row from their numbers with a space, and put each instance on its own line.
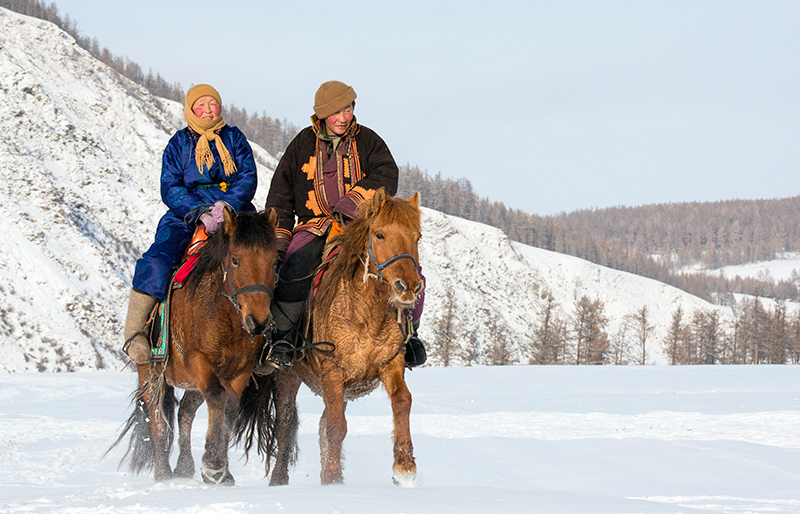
column 545, row 106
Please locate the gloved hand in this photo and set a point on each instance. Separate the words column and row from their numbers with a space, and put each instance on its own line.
column 341, row 218
column 214, row 216
column 208, row 220
column 217, row 210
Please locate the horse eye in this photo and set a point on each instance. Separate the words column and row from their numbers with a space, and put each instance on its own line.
column 379, row 235
column 234, row 261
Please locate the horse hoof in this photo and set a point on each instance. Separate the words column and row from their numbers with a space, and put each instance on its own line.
column 185, row 466
column 217, row 476
column 162, row 475
column 332, row 478
column 405, row 479
column 181, row 472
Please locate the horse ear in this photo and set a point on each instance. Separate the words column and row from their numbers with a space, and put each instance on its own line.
column 230, row 221
column 378, row 199
column 414, row 200
column 272, row 217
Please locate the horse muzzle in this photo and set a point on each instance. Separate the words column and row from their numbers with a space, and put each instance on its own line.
column 258, row 328
column 404, row 294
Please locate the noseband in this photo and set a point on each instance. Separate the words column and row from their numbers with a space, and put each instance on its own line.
column 381, row 267
column 234, row 296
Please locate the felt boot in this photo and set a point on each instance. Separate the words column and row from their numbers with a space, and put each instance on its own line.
column 137, row 346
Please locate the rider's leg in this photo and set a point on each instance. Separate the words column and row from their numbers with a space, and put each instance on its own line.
column 302, row 258
column 151, row 280
column 415, row 348
column 137, row 345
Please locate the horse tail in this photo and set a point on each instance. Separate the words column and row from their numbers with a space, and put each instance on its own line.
column 140, row 454
column 256, row 418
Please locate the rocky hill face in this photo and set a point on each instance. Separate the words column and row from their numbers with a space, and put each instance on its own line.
column 80, row 159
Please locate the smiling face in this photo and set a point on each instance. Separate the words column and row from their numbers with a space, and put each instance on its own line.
column 206, row 108
column 337, row 123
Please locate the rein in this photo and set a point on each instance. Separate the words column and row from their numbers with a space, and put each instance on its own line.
column 381, row 267
column 234, row 296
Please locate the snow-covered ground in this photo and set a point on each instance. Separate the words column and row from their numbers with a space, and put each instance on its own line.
column 781, row 268
column 611, row 439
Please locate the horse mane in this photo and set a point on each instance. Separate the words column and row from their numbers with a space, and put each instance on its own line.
column 352, row 242
column 253, row 230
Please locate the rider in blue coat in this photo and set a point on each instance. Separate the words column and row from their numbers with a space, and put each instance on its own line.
column 207, row 164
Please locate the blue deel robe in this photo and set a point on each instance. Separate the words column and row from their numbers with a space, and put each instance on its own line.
column 184, row 188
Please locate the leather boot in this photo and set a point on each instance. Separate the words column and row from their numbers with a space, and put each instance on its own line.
column 280, row 353
column 415, row 349
column 137, row 346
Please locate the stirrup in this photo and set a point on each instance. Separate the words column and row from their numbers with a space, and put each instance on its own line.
column 282, row 355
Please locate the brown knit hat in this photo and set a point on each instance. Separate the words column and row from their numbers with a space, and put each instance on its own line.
column 332, row 97
column 199, row 91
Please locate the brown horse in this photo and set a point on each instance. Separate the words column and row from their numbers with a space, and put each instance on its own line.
column 359, row 303
column 218, row 319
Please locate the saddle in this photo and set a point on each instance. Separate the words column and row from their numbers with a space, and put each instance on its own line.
column 158, row 324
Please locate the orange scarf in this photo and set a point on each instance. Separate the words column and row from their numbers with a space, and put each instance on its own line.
column 208, row 131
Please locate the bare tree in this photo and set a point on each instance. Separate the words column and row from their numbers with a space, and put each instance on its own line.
column 642, row 329
column 707, row 336
column 778, row 335
column 500, row 352
column 591, row 339
column 674, row 343
column 471, row 353
column 619, row 349
column 550, row 336
column 446, row 330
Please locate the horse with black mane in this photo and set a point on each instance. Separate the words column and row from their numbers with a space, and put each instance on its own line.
column 218, row 320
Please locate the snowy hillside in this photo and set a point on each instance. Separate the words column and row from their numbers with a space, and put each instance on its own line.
column 514, row 440
column 80, row 151
column 80, row 158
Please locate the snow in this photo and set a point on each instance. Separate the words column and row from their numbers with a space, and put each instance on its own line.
column 780, row 268
column 550, row 439
column 80, row 152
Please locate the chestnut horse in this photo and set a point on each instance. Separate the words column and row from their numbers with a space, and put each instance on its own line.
column 361, row 298
column 218, row 319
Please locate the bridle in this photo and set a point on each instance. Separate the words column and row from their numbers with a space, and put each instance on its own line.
column 380, row 267
column 234, row 296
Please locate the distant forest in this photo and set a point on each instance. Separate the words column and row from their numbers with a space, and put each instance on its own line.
column 271, row 134
column 654, row 241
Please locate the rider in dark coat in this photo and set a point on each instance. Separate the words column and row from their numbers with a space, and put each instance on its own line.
column 207, row 163
column 328, row 169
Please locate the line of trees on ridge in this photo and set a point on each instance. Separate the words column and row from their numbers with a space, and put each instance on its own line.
column 654, row 241
column 757, row 335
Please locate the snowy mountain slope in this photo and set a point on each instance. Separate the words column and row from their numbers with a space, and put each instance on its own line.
column 494, row 277
column 80, row 151
column 80, row 154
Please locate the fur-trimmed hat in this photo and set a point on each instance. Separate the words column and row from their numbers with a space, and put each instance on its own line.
column 332, row 97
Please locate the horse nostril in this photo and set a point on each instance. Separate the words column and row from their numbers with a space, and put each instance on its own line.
column 400, row 286
column 254, row 328
column 418, row 288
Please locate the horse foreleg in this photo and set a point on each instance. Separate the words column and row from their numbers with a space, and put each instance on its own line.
column 190, row 402
column 287, row 421
column 333, row 429
column 393, row 378
column 215, row 459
